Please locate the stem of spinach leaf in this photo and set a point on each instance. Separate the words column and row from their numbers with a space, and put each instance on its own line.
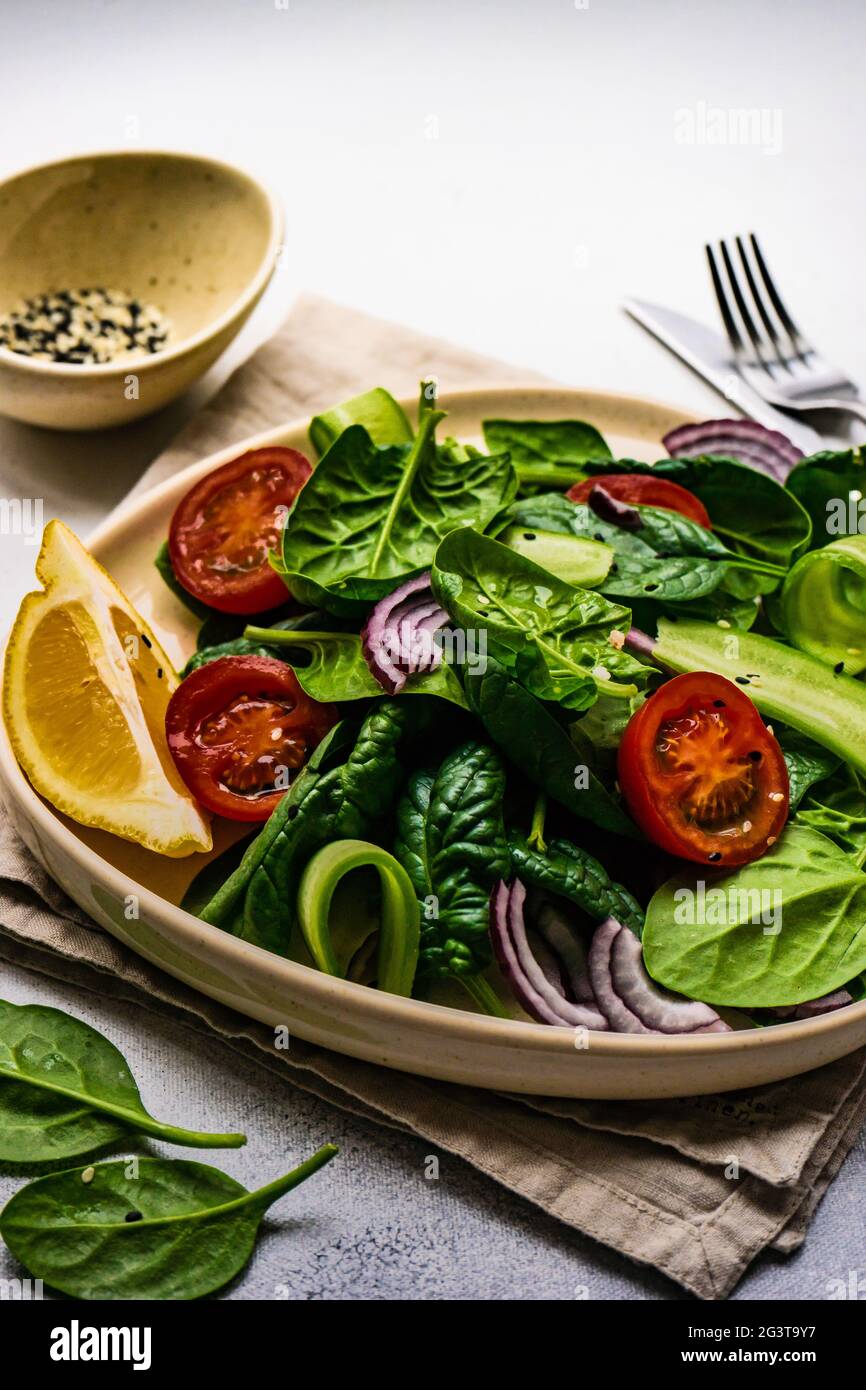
column 427, row 423
column 536, row 833
column 282, row 637
column 484, row 995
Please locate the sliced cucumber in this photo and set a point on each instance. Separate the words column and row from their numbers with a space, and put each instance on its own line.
column 572, row 558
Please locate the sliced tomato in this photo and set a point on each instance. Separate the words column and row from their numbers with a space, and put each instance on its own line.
column 642, row 490
column 224, row 527
column 702, row 774
column 239, row 729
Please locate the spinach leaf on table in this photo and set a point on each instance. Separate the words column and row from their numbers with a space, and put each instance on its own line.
column 546, row 453
column 724, row 953
column 370, row 517
column 536, row 743
column 173, row 1230
column 570, row 872
column 65, row 1090
column 451, row 842
column 830, row 485
column 554, row 637
column 343, row 802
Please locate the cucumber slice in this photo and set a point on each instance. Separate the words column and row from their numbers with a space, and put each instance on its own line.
column 574, row 559
column 824, row 604
column 383, row 419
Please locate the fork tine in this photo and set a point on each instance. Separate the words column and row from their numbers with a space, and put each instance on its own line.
column 784, row 317
column 741, row 303
column 728, row 319
column 756, row 295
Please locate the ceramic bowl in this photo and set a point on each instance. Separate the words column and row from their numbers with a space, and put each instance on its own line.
column 452, row 1044
column 194, row 236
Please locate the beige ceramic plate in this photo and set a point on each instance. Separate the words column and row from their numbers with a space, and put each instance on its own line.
column 100, row 872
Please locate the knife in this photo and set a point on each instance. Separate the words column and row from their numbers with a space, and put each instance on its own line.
column 708, row 354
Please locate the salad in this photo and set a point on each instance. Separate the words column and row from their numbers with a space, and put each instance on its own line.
column 551, row 732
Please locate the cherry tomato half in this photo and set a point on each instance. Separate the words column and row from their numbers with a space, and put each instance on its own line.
column 701, row 773
column 223, row 528
column 238, row 729
column 642, row 490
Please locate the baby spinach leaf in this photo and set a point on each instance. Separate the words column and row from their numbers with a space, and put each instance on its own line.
column 670, row 558
column 789, row 927
column 554, row 637
column 837, row 808
column 547, row 453
column 536, row 743
column 451, row 842
column 370, row 517
column 750, row 512
column 172, row 1229
column 830, row 486
column 569, row 872
column 64, row 1089
column 807, row 764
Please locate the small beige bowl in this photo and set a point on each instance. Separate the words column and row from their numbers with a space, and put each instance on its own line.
column 196, row 237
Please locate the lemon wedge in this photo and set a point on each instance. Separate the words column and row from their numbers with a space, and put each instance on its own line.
column 85, row 689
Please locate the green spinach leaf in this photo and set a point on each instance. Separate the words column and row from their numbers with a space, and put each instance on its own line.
column 830, row 486
column 65, row 1089
column 546, row 453
column 451, row 842
column 370, row 517
column 569, row 872
column 789, row 927
column 837, row 808
column 172, row 1229
column 807, row 764
column 553, row 636
column 536, row 743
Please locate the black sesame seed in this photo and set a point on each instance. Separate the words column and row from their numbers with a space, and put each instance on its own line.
column 714, row 857
column 133, row 1216
column 743, row 680
column 146, row 640
column 718, row 704
column 529, row 536
column 838, row 668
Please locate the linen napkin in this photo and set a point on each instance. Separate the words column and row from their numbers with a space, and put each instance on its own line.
column 696, row 1188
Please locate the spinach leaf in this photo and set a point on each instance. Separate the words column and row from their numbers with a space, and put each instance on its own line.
column 546, row 453
column 753, row 514
column 837, row 808
column 64, row 1089
column 830, row 486
column 258, row 902
column 370, row 517
column 553, row 636
column 451, row 842
column 670, row 558
column 807, row 763
column 166, row 570
column 536, row 743
column 173, row 1229
column 569, row 872
column 789, row 927
column 335, row 668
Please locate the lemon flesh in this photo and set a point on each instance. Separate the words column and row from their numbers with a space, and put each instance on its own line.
column 85, row 690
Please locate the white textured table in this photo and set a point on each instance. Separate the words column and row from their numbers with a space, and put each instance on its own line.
column 501, row 173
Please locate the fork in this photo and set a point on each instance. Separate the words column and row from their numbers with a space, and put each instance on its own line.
column 779, row 363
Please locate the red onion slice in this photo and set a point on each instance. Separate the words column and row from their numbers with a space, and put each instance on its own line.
column 611, row 509
column 629, row 999
column 745, row 440
column 542, row 997
column 399, row 637
column 813, row 1008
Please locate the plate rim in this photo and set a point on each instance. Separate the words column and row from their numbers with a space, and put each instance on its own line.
column 453, row 1024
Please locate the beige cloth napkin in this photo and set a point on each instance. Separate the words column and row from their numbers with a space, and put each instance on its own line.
column 696, row 1188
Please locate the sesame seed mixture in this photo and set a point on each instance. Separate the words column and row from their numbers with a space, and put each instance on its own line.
column 83, row 326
